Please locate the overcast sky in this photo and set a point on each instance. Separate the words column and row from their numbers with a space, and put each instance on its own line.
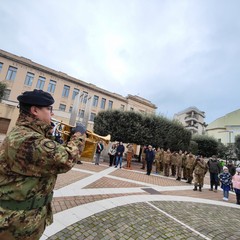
column 175, row 53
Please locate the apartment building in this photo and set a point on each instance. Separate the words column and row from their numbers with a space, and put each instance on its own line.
column 192, row 119
column 21, row 74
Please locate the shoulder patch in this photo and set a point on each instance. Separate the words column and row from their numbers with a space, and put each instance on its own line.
column 48, row 145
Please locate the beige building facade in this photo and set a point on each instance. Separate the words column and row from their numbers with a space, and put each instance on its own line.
column 192, row 119
column 21, row 74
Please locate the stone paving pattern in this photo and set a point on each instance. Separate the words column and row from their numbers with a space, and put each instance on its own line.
column 141, row 220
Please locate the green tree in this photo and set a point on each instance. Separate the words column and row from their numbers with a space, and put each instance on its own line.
column 3, row 86
column 193, row 147
column 222, row 150
column 207, row 146
column 142, row 129
column 237, row 146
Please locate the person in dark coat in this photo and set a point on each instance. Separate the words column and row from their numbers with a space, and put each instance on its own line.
column 214, row 169
column 150, row 155
column 119, row 154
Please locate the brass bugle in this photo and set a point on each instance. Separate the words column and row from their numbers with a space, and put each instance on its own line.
column 63, row 128
column 95, row 137
column 66, row 129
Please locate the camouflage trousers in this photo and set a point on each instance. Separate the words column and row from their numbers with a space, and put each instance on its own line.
column 157, row 164
column 179, row 171
column 129, row 159
column 166, row 169
column 198, row 180
column 189, row 174
column 23, row 225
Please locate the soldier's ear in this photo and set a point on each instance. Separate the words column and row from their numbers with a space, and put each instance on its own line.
column 34, row 110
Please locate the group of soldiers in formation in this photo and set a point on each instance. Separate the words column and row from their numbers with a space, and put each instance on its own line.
column 182, row 165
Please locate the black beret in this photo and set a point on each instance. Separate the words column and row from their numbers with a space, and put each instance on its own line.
column 36, row 98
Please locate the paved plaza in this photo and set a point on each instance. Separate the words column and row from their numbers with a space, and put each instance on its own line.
column 102, row 202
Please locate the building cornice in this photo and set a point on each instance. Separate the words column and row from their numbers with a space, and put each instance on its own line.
column 29, row 63
column 141, row 100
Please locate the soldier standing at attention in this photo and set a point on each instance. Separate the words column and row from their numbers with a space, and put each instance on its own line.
column 157, row 160
column 144, row 157
column 173, row 163
column 29, row 163
column 189, row 167
column 167, row 162
column 184, row 163
column 179, row 165
column 200, row 169
column 130, row 154
column 161, row 159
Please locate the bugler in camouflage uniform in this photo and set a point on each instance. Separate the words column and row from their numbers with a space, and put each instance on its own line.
column 29, row 163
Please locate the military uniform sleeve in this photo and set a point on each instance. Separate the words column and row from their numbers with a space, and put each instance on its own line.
column 42, row 156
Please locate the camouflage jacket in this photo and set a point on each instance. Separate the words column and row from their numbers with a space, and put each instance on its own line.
column 200, row 167
column 30, row 160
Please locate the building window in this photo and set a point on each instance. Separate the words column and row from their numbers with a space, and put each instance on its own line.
column 11, row 74
column 52, row 86
column 66, row 90
column 122, row 107
column 41, row 82
column 110, row 104
column 81, row 113
column 92, row 116
column 62, row 107
column 6, row 94
column 29, row 79
column 1, row 65
column 103, row 103
column 70, row 109
column 95, row 101
column 85, row 97
column 75, row 92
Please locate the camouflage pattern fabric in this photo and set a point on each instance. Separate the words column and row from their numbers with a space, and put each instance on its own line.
column 29, row 163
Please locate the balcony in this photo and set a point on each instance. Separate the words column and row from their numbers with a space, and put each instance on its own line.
column 191, row 127
column 190, row 118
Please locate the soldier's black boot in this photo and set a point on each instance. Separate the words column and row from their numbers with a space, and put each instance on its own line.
column 195, row 188
column 200, row 188
column 189, row 181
